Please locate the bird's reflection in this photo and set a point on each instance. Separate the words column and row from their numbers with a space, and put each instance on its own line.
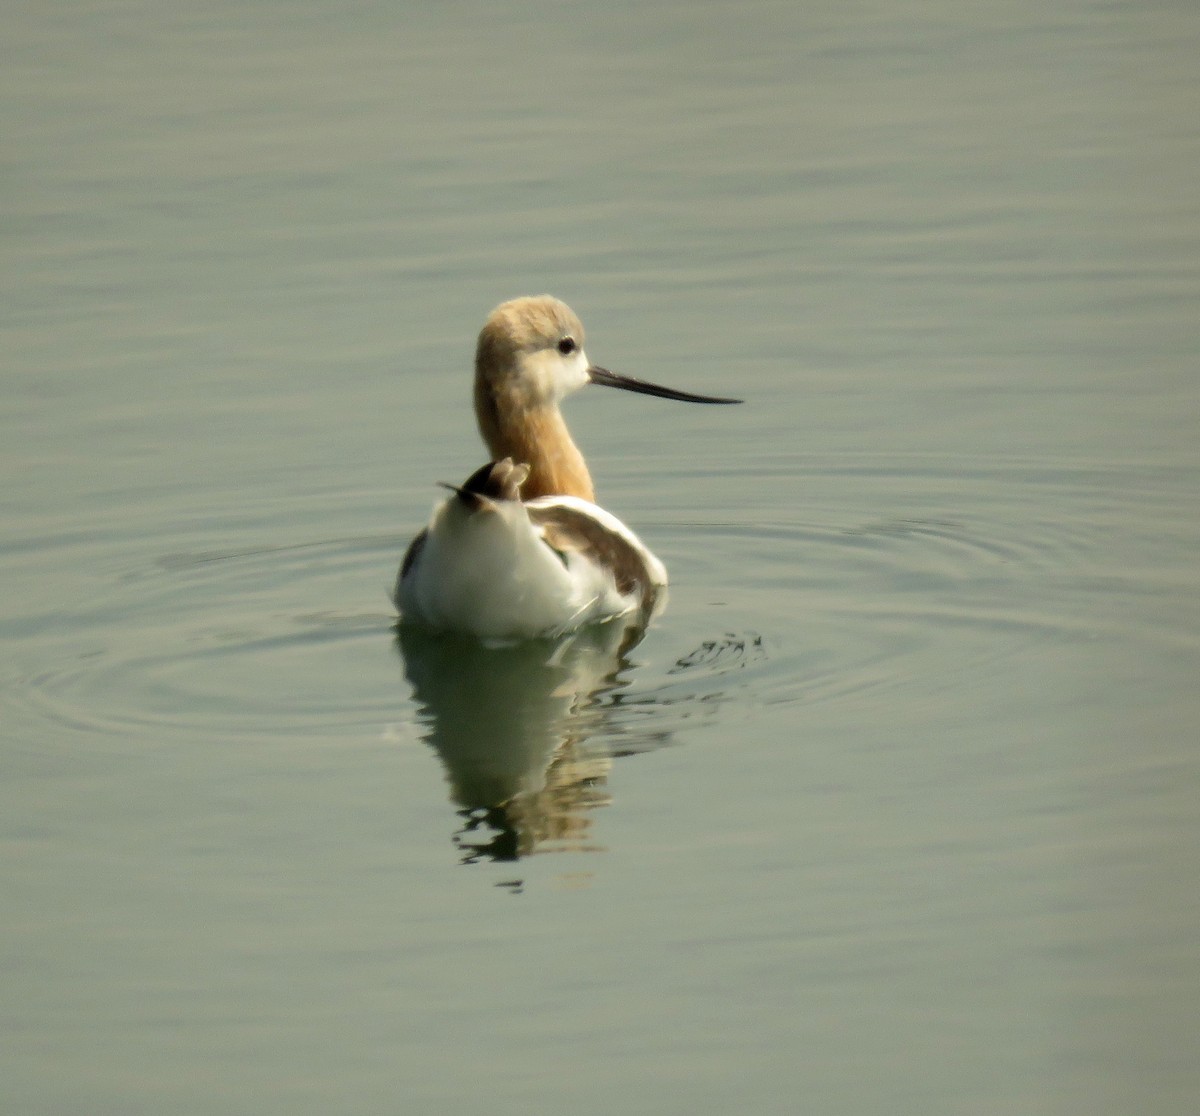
column 511, row 725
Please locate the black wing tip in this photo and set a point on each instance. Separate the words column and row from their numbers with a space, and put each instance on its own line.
column 495, row 481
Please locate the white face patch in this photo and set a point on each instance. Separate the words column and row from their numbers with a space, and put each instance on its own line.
column 575, row 371
column 551, row 375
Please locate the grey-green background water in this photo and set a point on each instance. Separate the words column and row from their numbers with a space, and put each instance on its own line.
column 894, row 810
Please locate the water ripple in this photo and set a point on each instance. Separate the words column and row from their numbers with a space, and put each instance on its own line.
column 885, row 572
column 958, row 574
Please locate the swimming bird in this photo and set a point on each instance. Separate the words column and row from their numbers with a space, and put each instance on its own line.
column 520, row 549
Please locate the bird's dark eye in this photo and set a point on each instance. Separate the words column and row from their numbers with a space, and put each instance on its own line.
column 566, row 346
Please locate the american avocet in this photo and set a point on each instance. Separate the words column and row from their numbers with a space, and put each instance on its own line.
column 521, row 550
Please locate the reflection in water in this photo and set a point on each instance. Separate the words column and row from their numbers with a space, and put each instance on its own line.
column 511, row 726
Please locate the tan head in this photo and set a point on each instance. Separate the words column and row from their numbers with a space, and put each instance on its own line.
column 529, row 357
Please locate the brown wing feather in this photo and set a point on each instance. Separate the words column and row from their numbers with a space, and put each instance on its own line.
column 567, row 528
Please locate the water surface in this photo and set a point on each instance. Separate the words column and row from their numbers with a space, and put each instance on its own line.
column 893, row 810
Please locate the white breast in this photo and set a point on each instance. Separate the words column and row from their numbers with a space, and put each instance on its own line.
column 513, row 571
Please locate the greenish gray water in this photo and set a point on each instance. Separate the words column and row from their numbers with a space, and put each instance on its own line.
column 893, row 810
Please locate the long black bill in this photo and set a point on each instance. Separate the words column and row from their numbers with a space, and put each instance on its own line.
column 606, row 378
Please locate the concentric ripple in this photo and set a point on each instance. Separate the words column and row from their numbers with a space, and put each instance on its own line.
column 892, row 570
column 213, row 644
column 880, row 573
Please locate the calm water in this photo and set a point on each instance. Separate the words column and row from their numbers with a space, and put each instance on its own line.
column 895, row 810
